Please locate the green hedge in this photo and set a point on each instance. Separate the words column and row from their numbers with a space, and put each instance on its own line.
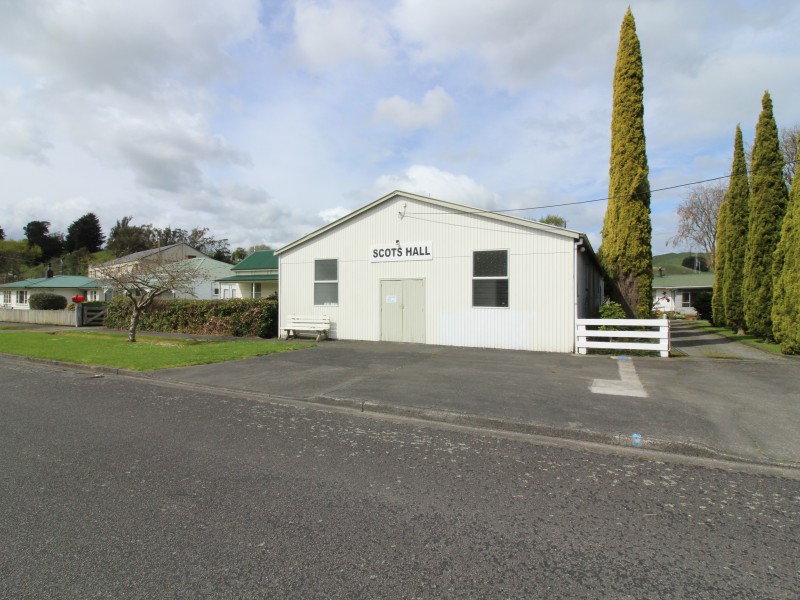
column 238, row 317
column 47, row 301
column 701, row 302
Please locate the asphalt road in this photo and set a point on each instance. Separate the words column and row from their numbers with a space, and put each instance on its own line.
column 113, row 487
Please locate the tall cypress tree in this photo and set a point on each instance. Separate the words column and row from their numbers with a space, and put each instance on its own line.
column 720, row 256
column 786, row 278
column 625, row 253
column 736, row 236
column 768, row 197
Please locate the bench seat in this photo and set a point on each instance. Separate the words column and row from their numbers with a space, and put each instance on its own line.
column 318, row 325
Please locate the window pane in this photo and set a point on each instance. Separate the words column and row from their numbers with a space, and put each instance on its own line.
column 490, row 292
column 326, row 293
column 325, row 270
column 491, row 263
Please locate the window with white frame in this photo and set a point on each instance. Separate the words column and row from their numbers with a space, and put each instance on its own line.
column 490, row 278
column 257, row 290
column 326, row 282
column 6, row 297
column 686, row 299
column 22, row 296
column 92, row 295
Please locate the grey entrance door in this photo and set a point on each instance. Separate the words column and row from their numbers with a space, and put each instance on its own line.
column 403, row 310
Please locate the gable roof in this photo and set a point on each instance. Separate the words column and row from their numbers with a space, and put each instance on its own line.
column 448, row 206
column 691, row 280
column 209, row 266
column 258, row 260
column 57, row 282
column 245, row 278
column 145, row 253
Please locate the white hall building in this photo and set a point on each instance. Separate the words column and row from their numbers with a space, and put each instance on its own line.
column 407, row 268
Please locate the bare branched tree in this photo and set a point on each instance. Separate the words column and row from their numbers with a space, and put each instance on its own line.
column 788, row 142
column 144, row 280
column 697, row 214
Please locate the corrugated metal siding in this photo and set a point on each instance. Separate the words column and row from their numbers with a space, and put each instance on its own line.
column 541, row 308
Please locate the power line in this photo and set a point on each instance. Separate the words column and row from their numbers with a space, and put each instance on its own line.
column 663, row 189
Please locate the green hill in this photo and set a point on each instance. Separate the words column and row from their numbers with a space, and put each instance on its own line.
column 672, row 263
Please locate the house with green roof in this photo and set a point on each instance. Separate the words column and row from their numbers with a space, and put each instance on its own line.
column 675, row 292
column 254, row 277
column 16, row 295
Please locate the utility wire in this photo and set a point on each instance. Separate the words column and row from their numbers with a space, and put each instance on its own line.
column 663, row 189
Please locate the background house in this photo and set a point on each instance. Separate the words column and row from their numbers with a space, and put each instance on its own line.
column 680, row 290
column 172, row 252
column 208, row 270
column 677, row 278
column 16, row 295
column 254, row 277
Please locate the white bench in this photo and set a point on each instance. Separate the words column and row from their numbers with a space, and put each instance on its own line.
column 319, row 325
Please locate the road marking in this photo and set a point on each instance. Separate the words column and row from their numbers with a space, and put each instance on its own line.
column 628, row 383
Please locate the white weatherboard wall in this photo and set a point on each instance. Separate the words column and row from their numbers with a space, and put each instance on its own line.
column 541, row 265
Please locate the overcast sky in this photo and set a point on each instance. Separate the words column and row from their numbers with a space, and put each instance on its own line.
column 265, row 120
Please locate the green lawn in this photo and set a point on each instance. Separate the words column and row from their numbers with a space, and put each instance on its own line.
column 113, row 350
column 747, row 340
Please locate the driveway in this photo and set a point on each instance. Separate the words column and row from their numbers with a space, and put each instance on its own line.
column 691, row 341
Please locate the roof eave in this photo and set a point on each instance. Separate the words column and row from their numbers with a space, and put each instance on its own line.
column 458, row 208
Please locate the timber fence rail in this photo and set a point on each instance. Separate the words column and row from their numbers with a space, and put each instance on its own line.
column 628, row 334
column 38, row 317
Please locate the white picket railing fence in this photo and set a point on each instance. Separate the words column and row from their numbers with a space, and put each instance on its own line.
column 589, row 335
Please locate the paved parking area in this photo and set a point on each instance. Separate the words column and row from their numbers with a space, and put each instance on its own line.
column 720, row 399
column 741, row 408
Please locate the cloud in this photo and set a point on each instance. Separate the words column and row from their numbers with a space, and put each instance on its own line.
column 329, row 215
column 337, row 32
column 430, row 181
column 21, row 138
column 512, row 43
column 121, row 44
column 21, row 134
column 165, row 151
column 406, row 115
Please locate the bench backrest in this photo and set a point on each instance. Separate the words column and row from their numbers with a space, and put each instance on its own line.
column 322, row 321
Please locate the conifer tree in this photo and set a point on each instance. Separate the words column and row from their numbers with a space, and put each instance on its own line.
column 738, row 200
column 786, row 279
column 717, row 299
column 625, row 253
column 768, row 197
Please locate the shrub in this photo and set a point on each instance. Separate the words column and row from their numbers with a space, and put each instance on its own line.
column 701, row 302
column 611, row 310
column 47, row 301
column 237, row 317
column 695, row 263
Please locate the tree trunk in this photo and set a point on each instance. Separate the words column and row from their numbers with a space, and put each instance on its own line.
column 134, row 323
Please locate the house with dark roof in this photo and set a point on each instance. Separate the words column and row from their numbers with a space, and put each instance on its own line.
column 208, row 270
column 254, row 277
column 168, row 253
column 16, row 295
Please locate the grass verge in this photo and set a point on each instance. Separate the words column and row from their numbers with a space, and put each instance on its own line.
column 147, row 354
column 747, row 340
